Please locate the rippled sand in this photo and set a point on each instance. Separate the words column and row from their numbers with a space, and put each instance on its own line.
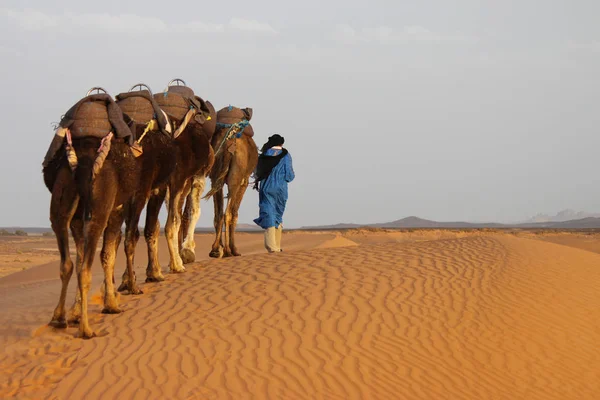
column 369, row 315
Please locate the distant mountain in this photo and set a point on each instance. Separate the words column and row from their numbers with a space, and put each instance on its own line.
column 538, row 222
column 562, row 216
column 416, row 222
column 584, row 223
column 409, row 222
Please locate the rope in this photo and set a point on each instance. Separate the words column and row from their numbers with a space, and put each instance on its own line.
column 102, row 153
column 236, row 129
column 99, row 160
column 151, row 126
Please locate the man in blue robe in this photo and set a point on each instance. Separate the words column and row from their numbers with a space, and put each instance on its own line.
column 273, row 173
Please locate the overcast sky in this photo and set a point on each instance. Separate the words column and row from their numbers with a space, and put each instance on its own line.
column 462, row 110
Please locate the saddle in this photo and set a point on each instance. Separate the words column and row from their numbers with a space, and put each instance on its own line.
column 142, row 108
column 228, row 116
column 96, row 115
column 178, row 100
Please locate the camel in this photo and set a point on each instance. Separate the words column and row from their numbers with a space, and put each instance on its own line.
column 193, row 156
column 236, row 156
column 119, row 187
column 65, row 212
column 89, row 156
column 113, row 185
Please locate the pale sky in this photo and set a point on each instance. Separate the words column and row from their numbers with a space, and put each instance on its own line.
column 463, row 110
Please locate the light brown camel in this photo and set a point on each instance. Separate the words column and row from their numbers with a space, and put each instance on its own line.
column 236, row 156
column 190, row 217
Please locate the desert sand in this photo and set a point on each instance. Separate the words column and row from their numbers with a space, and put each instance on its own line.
column 337, row 315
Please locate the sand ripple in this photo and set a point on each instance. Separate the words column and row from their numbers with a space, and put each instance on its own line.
column 487, row 317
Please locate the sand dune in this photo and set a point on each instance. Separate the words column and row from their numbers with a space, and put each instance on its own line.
column 338, row 241
column 484, row 316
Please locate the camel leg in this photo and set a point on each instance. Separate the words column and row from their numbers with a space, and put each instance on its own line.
column 172, row 230
column 77, row 232
column 62, row 207
column 217, row 247
column 132, row 235
column 93, row 230
column 227, row 221
column 110, row 244
column 151, row 234
column 234, row 203
column 181, row 233
column 190, row 218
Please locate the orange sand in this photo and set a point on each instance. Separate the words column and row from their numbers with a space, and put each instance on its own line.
column 420, row 315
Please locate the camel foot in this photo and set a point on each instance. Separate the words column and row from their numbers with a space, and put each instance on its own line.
column 188, row 256
column 215, row 254
column 60, row 323
column 74, row 317
column 87, row 334
column 132, row 289
column 176, row 265
column 111, row 310
column 135, row 291
column 155, row 278
column 123, row 287
column 235, row 253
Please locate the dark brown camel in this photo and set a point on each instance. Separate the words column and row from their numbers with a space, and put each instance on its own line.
column 235, row 160
column 64, row 212
column 89, row 155
column 113, row 186
column 117, row 190
column 193, row 156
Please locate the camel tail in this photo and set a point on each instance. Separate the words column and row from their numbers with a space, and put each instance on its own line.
column 218, row 174
column 83, row 180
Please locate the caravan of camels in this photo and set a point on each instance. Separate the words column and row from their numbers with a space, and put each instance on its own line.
column 110, row 158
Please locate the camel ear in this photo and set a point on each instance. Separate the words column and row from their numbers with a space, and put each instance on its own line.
column 248, row 112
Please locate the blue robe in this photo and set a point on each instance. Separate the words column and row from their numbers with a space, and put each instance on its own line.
column 273, row 192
